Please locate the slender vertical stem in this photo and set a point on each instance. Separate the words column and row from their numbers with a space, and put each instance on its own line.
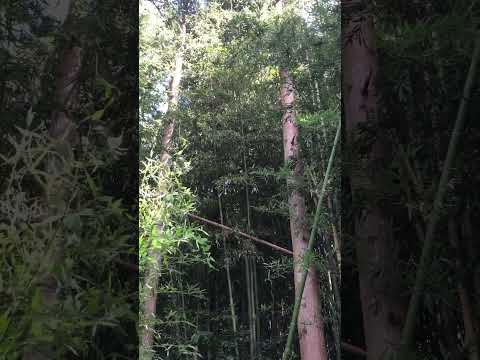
column 311, row 243
column 249, row 299
column 469, row 323
column 247, row 195
column 150, row 282
column 256, row 305
column 229, row 282
column 182, row 302
column 408, row 333
column 273, row 326
column 250, row 260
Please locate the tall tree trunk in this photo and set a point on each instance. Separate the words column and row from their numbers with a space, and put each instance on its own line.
column 464, row 292
column 63, row 130
column 250, row 263
column 310, row 321
column 229, row 282
column 174, row 91
column 383, row 313
column 152, row 272
column 470, row 245
column 415, row 304
column 315, row 91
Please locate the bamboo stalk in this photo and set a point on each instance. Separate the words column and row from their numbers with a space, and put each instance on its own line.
column 229, row 282
column 346, row 346
column 408, row 333
column 251, row 237
column 250, row 263
column 469, row 322
column 311, row 243
column 249, row 299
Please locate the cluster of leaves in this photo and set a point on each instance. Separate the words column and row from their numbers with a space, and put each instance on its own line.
column 164, row 204
column 37, row 220
column 72, row 221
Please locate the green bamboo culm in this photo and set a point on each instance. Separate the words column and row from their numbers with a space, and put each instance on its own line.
column 311, row 243
column 229, row 282
column 408, row 333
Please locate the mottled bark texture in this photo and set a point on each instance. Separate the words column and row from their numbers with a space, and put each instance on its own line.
column 174, row 91
column 376, row 255
column 62, row 129
column 153, row 270
column 310, row 321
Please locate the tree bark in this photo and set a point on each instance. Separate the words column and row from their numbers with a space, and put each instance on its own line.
column 464, row 292
column 408, row 333
column 153, row 270
column 310, row 321
column 383, row 313
column 174, row 91
column 62, row 129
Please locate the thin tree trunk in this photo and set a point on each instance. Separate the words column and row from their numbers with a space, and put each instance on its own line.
column 150, row 306
column 306, row 263
column 63, row 131
column 310, row 321
column 464, row 290
column 182, row 302
column 153, row 270
column 250, row 307
column 251, row 264
column 383, row 313
column 472, row 246
column 317, row 102
column 256, row 303
column 336, row 238
column 273, row 327
column 174, row 91
column 408, row 333
column 252, row 311
column 229, row 282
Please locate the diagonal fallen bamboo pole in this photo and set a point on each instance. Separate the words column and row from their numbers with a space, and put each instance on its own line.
column 251, row 237
column 345, row 346
column 133, row 267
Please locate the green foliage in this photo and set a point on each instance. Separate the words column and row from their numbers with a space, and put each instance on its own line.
column 424, row 56
column 230, row 115
column 85, row 226
column 163, row 205
column 72, row 221
column 164, row 200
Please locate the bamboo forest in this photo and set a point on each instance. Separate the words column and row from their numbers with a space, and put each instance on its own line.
column 239, row 114
column 239, row 180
